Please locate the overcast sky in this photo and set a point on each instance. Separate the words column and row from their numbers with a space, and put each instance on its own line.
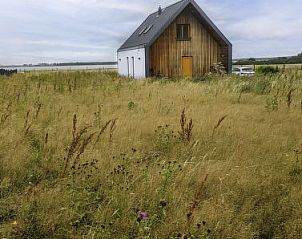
column 33, row 31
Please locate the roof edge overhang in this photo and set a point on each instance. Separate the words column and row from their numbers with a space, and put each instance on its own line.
column 131, row 48
column 211, row 24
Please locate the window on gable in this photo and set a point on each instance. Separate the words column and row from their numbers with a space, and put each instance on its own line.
column 142, row 31
column 145, row 30
column 183, row 32
column 148, row 29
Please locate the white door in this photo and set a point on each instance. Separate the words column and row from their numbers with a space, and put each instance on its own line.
column 131, row 67
column 128, row 67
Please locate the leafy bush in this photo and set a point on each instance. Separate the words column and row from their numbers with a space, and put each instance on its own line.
column 218, row 68
column 267, row 70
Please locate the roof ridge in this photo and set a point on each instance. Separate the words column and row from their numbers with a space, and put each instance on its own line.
column 171, row 5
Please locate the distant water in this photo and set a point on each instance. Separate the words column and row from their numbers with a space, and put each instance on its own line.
column 58, row 68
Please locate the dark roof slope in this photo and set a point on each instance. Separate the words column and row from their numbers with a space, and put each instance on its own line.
column 159, row 23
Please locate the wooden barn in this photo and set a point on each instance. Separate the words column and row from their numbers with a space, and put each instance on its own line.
column 177, row 41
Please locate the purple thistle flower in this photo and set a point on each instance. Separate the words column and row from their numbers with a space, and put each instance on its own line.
column 144, row 215
column 135, row 209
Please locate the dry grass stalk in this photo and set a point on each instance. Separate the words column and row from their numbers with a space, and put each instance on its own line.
column 46, row 138
column 196, row 201
column 218, row 124
column 186, row 129
column 82, row 148
column 39, row 106
column 290, row 97
column 18, row 97
column 102, row 131
column 4, row 117
column 239, row 98
column 27, row 125
column 26, row 119
column 77, row 145
column 9, row 105
column 112, row 129
column 60, row 111
column 74, row 126
column 69, row 86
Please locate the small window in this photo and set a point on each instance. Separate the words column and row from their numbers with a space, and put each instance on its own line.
column 142, row 31
column 183, row 32
column 148, row 29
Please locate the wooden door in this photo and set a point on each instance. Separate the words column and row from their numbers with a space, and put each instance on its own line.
column 187, row 66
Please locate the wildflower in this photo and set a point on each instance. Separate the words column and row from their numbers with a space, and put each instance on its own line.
column 144, row 215
column 135, row 209
column 141, row 214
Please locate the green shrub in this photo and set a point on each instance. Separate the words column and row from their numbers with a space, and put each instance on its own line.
column 267, row 70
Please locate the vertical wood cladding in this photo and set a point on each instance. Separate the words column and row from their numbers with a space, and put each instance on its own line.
column 166, row 53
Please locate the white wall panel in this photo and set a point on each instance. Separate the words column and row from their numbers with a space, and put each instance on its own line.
column 132, row 63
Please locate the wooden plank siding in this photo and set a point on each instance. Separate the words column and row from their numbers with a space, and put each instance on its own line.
column 166, row 52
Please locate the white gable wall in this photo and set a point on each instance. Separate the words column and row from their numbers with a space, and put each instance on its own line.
column 132, row 63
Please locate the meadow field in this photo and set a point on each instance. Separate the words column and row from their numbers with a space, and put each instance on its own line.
column 94, row 155
column 279, row 66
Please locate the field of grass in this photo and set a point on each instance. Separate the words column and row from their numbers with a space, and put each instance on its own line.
column 93, row 155
column 280, row 66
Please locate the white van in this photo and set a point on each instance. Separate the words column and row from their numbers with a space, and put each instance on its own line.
column 244, row 71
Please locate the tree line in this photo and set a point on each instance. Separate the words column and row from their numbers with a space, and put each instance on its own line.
column 273, row 61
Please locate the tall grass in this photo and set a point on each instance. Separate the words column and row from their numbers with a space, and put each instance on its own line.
column 94, row 155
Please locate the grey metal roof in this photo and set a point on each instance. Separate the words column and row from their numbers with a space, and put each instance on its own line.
column 160, row 23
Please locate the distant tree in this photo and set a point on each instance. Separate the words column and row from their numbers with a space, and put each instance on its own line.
column 273, row 61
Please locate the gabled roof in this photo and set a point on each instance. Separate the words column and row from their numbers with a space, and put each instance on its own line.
column 147, row 33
